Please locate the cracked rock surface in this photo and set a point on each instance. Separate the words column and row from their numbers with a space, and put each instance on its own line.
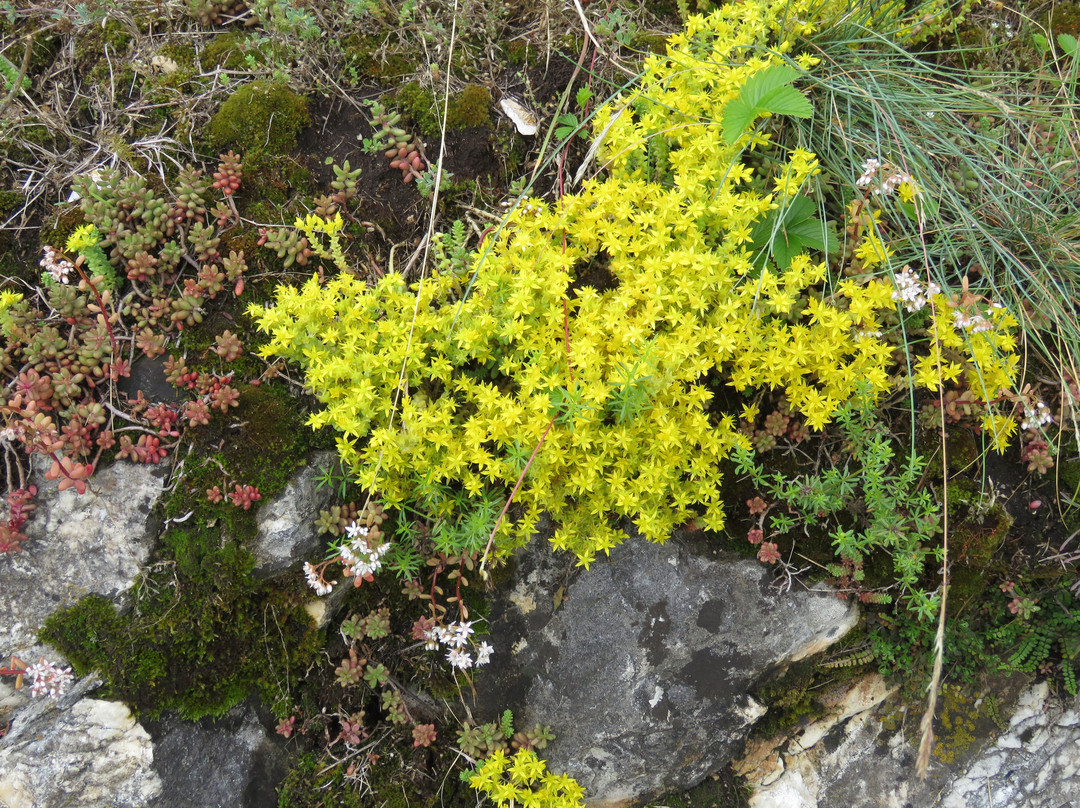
column 643, row 670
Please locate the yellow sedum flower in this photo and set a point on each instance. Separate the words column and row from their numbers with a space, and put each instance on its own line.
column 7, row 300
column 524, row 782
column 608, row 372
column 84, row 237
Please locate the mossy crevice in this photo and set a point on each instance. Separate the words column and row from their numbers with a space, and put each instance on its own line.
column 203, row 632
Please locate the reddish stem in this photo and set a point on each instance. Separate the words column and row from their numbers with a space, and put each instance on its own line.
column 104, row 314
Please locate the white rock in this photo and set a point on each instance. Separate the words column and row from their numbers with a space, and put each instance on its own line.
column 79, row 544
column 93, row 754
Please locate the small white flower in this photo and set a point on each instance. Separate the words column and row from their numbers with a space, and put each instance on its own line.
column 975, row 323
column 483, row 653
column 316, row 581
column 431, row 638
column 47, row 679
column 909, row 290
column 355, row 530
column 870, row 169
column 57, row 267
column 459, row 659
column 873, row 167
column 361, row 558
column 457, row 634
column 1036, row 417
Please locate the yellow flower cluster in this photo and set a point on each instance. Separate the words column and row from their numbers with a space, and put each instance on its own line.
column 83, row 238
column 593, row 323
column 985, row 360
column 608, row 374
column 7, row 300
column 524, row 781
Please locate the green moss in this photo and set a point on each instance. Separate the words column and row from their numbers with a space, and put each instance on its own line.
column 966, row 586
column 10, row 201
column 790, row 700
column 60, row 223
column 963, row 453
column 976, row 531
column 202, row 636
column 315, row 783
column 276, row 181
column 652, row 43
column 363, row 58
column 719, row 790
column 225, row 51
column 1063, row 18
column 274, row 441
column 204, row 632
column 471, row 107
column 1069, row 477
column 99, row 49
column 183, row 57
column 516, row 53
column 259, row 117
column 418, row 104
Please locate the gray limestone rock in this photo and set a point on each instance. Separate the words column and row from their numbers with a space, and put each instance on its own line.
column 79, row 544
column 78, row 751
column 644, row 668
column 286, row 524
column 1034, row 764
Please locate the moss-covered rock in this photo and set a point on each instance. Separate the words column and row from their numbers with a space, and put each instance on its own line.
column 259, row 117
column 202, row 636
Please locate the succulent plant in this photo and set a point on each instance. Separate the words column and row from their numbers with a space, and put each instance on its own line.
column 287, row 243
column 228, row 346
column 229, row 173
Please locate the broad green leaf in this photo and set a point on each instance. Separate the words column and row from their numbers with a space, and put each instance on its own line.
column 813, row 233
column 737, row 117
column 759, row 85
column 785, row 247
column 786, row 101
column 785, row 233
column 766, row 92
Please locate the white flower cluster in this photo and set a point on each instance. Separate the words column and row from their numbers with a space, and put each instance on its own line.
column 910, row 291
column 893, row 179
column 1036, row 417
column 971, row 322
column 59, row 268
column 316, row 581
column 359, row 555
column 47, row 679
column 456, row 637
